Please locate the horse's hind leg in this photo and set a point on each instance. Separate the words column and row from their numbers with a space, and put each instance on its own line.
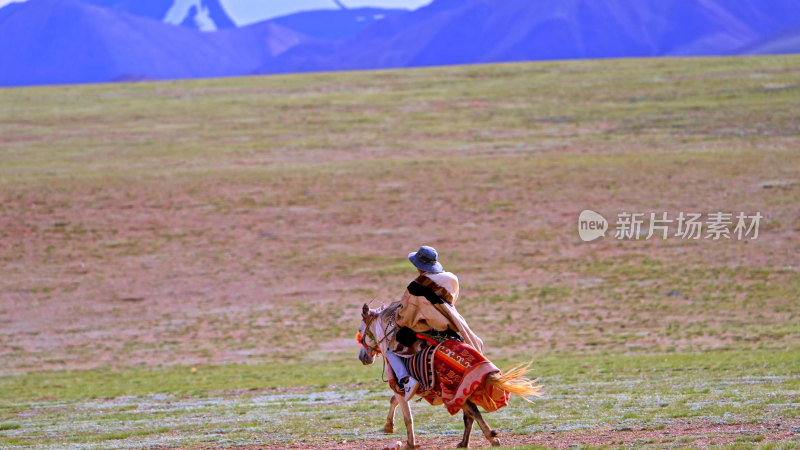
column 468, row 420
column 491, row 435
column 388, row 427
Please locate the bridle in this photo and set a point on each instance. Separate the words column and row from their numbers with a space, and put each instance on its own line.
column 362, row 339
column 368, row 318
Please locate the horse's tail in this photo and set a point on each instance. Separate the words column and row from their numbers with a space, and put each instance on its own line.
column 515, row 381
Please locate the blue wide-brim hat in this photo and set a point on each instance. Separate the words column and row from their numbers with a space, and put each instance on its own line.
column 426, row 259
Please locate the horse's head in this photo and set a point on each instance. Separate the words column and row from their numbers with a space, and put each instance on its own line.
column 366, row 336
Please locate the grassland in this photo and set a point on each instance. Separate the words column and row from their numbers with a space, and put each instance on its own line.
column 183, row 262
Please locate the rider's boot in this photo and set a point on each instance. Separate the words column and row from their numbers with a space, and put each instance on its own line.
column 410, row 387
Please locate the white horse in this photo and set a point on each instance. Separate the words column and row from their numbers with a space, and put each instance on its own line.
column 375, row 332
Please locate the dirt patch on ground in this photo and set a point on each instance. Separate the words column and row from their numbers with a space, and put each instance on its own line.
column 697, row 433
column 159, row 275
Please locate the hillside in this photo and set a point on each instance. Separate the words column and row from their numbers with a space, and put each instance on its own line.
column 70, row 41
column 781, row 43
column 336, row 24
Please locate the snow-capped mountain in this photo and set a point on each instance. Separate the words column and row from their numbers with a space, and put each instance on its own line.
column 204, row 15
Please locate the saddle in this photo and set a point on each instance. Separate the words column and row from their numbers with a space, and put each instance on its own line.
column 420, row 367
column 408, row 337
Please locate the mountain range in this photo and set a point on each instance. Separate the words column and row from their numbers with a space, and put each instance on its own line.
column 78, row 41
column 482, row 31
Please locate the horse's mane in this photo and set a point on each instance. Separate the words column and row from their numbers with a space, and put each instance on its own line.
column 388, row 314
column 386, row 310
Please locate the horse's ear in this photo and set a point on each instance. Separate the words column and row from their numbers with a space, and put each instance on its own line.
column 364, row 310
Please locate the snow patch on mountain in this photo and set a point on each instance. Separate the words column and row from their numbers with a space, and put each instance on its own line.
column 193, row 11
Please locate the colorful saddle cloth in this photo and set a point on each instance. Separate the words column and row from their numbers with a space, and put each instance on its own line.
column 452, row 372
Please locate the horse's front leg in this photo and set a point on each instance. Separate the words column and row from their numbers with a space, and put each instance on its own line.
column 408, row 419
column 388, row 427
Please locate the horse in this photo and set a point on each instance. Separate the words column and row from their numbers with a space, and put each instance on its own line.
column 481, row 384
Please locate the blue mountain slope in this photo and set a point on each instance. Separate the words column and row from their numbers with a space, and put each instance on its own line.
column 781, row 43
column 69, row 41
column 8, row 10
column 476, row 31
column 336, row 24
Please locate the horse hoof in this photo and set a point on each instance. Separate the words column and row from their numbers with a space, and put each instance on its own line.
column 496, row 443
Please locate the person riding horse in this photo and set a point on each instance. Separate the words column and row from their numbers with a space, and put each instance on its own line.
column 427, row 309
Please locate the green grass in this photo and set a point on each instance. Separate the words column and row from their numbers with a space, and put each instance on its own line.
column 243, row 404
column 237, row 225
column 157, row 128
column 176, row 380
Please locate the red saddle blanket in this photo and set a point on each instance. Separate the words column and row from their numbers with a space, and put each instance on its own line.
column 455, row 373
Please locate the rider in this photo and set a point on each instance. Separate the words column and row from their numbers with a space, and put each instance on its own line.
column 428, row 306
